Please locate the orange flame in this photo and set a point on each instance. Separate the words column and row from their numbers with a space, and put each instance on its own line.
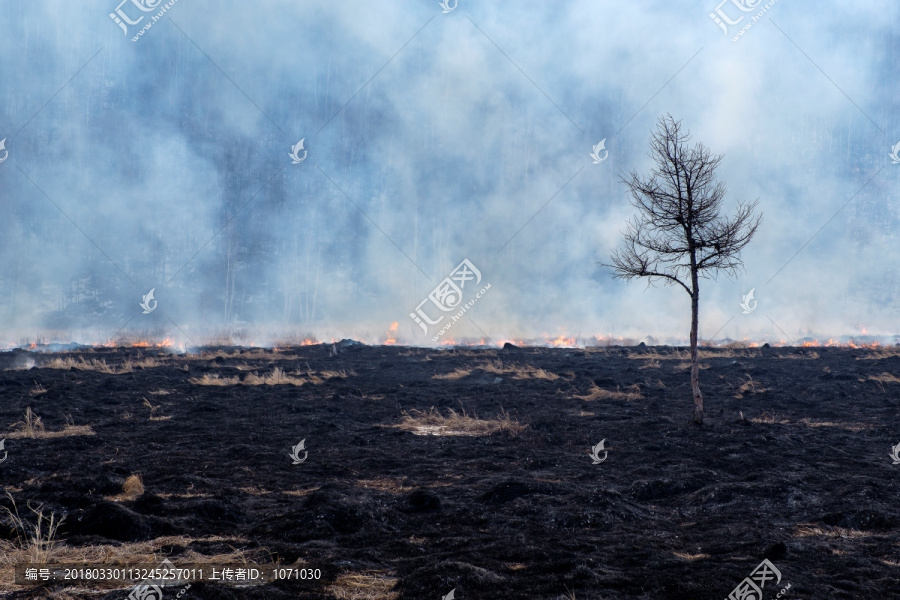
column 391, row 336
column 166, row 343
column 563, row 342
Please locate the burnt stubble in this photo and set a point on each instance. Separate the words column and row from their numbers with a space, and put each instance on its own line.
column 791, row 465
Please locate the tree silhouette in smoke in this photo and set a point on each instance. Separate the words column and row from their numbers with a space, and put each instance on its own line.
column 679, row 234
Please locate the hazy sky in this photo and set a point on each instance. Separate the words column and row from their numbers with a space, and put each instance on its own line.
column 431, row 138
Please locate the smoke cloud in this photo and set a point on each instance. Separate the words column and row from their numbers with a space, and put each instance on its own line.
column 432, row 137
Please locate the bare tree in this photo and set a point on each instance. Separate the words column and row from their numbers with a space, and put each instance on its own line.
column 679, row 234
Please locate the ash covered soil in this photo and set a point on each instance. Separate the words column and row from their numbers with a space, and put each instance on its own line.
column 792, row 465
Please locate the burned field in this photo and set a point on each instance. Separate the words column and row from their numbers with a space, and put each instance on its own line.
column 427, row 471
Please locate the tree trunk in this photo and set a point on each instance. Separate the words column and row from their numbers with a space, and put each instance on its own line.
column 695, row 355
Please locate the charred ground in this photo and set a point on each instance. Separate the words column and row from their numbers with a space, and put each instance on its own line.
column 792, row 466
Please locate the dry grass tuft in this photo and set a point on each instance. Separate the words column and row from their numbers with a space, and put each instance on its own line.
column 35, row 541
column 727, row 352
column 208, row 379
column 255, row 491
column 67, row 431
column 277, row 376
column 685, row 366
column 885, row 378
column 246, row 367
column 845, row 426
column 33, row 427
column 768, row 419
column 153, row 410
column 70, row 363
column 432, row 422
column 326, row 375
column 100, row 365
column 530, row 372
column 816, row 530
column 749, row 387
column 809, row 355
column 596, row 393
column 364, row 585
column 497, row 367
column 879, row 353
column 518, row 372
column 689, row 556
column 385, row 484
column 133, row 487
column 456, row 374
column 301, row 493
column 30, row 427
column 534, row 373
